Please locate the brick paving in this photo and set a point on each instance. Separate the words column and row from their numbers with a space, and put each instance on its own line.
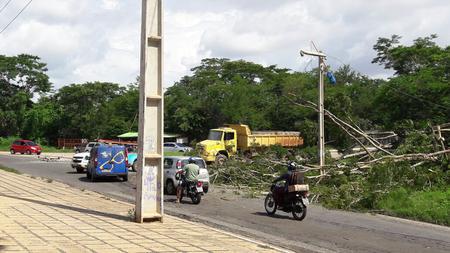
column 46, row 216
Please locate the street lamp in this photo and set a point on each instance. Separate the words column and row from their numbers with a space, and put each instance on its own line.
column 321, row 57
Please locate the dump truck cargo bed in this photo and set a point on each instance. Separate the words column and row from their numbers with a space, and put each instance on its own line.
column 248, row 139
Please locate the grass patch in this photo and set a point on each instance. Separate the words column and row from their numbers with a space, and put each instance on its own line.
column 173, row 153
column 430, row 206
column 9, row 169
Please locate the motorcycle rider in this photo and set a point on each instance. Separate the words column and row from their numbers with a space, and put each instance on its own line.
column 189, row 174
column 292, row 176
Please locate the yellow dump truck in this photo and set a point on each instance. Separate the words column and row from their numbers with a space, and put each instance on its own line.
column 226, row 141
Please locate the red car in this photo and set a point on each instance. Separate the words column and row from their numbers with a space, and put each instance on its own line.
column 25, row 146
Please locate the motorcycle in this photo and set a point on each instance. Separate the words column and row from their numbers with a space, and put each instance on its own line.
column 193, row 190
column 295, row 200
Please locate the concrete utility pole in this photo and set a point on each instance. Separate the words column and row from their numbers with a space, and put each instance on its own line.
column 321, row 108
column 149, row 196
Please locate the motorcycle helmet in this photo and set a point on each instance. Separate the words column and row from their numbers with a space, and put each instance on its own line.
column 292, row 166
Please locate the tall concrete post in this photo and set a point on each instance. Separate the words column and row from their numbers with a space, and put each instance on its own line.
column 149, row 195
column 321, row 116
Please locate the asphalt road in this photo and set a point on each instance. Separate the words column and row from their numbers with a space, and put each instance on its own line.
column 322, row 230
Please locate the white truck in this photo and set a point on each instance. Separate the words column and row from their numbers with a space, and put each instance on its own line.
column 80, row 161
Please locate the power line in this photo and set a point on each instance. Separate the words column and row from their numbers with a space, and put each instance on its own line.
column 18, row 14
column 4, row 6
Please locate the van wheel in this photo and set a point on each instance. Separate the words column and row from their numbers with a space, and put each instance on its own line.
column 92, row 177
column 170, row 187
column 12, row 151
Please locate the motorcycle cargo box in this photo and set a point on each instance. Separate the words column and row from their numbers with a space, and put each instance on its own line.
column 298, row 187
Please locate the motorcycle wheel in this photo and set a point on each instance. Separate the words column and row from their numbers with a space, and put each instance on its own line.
column 299, row 211
column 196, row 198
column 270, row 205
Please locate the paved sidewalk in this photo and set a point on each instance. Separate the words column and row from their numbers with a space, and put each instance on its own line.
column 39, row 215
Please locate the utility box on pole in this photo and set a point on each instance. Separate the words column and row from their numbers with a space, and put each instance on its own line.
column 149, row 195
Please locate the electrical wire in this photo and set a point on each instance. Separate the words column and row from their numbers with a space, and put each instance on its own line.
column 4, row 6
column 18, row 14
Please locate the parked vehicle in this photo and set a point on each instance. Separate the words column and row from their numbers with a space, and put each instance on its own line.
column 176, row 147
column 25, row 147
column 226, row 141
column 132, row 158
column 91, row 145
column 80, row 161
column 106, row 161
column 172, row 164
column 295, row 200
column 193, row 190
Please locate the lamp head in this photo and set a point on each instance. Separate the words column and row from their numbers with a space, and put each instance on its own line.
column 318, row 54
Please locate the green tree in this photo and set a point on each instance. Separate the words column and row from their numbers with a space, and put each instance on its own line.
column 81, row 106
column 424, row 53
column 21, row 78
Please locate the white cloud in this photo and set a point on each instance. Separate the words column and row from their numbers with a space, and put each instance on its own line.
column 85, row 40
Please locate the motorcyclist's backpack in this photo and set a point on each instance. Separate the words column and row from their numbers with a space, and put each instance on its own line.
column 297, row 178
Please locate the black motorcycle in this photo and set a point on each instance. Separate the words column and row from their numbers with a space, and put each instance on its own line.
column 193, row 190
column 295, row 200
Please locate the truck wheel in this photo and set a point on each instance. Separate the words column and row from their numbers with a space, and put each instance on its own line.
column 133, row 167
column 221, row 159
column 12, row 151
column 28, row 152
column 125, row 178
column 80, row 170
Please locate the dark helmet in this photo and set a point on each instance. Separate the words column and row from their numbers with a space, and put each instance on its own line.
column 292, row 166
column 191, row 160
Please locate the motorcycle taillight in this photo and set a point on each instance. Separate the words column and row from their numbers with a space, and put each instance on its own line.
column 199, row 184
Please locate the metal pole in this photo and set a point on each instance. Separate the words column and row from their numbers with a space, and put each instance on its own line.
column 321, row 116
column 149, row 195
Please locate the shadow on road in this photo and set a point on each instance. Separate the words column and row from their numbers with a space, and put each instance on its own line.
column 101, row 179
column 74, row 172
column 72, row 208
column 273, row 216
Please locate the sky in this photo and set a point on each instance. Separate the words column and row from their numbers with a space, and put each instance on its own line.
column 98, row 40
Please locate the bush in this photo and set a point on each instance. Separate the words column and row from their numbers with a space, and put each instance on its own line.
column 5, row 142
column 430, row 206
